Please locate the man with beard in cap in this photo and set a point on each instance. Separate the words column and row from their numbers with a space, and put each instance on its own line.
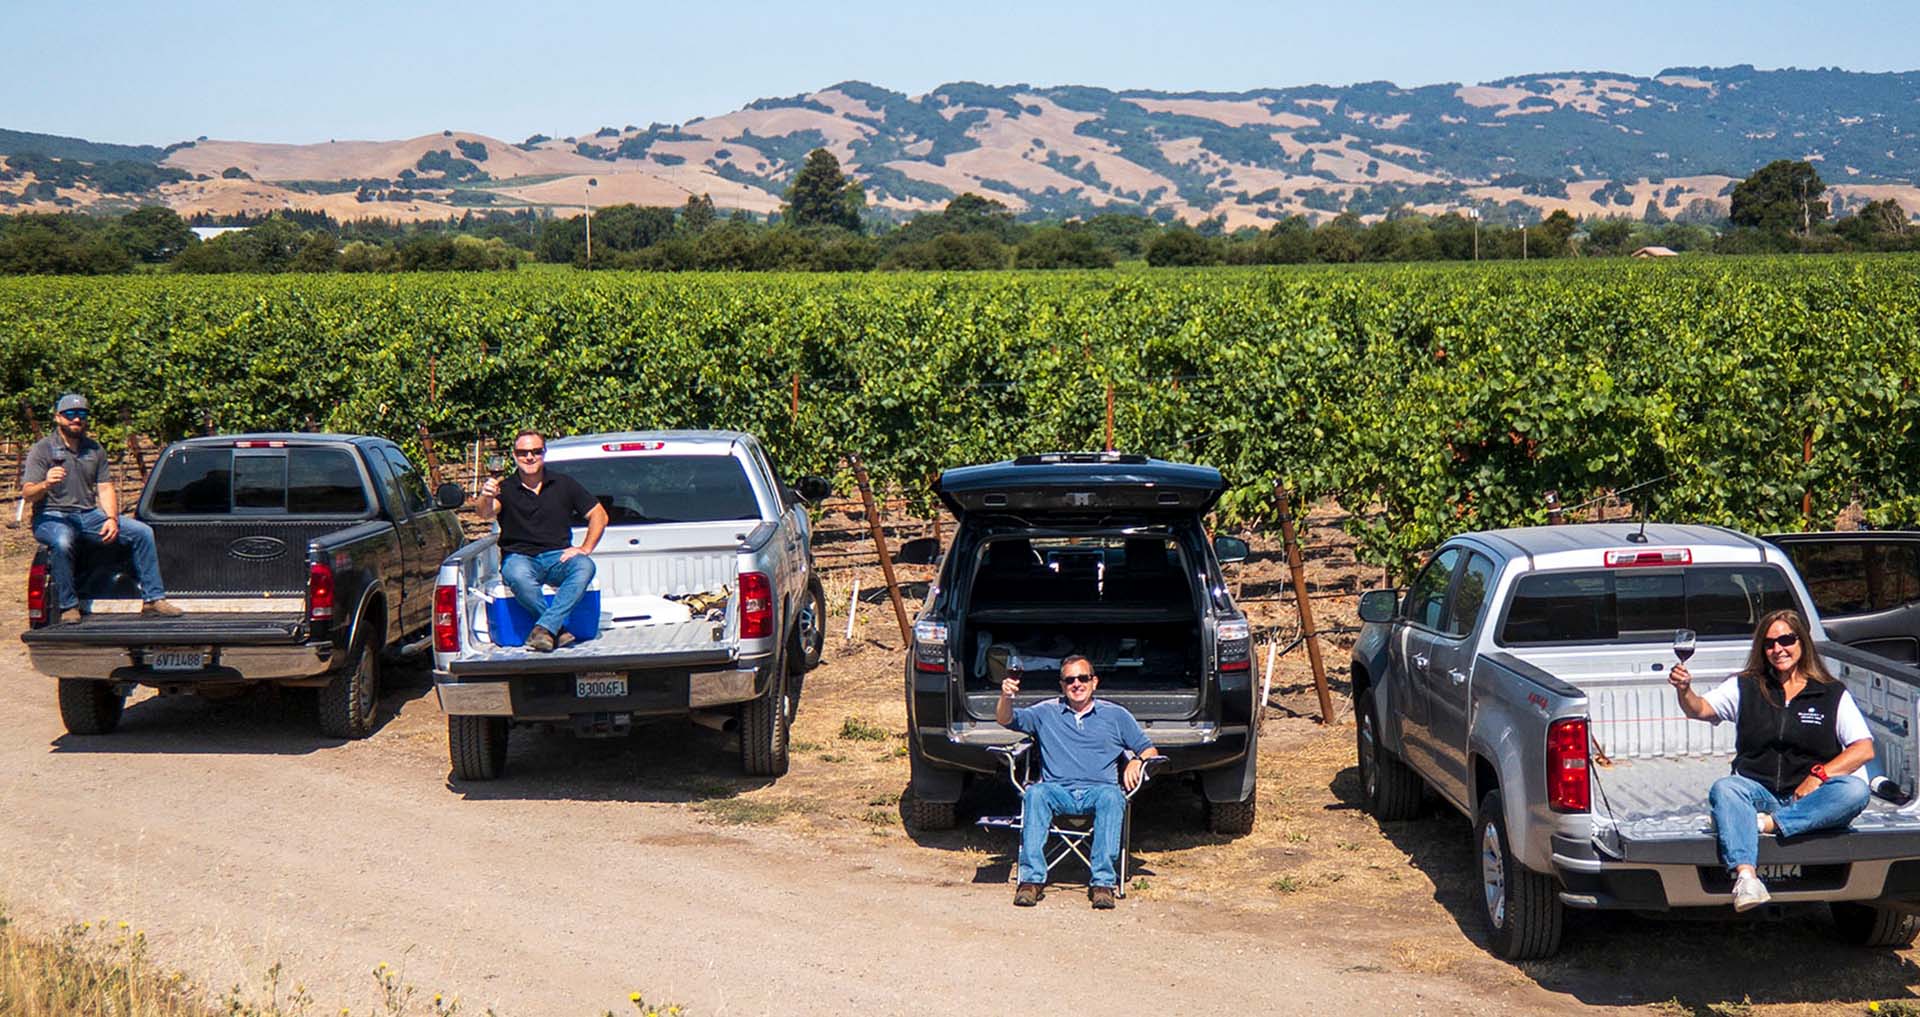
column 69, row 483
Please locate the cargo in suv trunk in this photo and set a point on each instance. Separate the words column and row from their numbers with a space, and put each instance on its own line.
column 1124, row 602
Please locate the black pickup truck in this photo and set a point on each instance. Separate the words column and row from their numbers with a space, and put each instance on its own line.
column 299, row 560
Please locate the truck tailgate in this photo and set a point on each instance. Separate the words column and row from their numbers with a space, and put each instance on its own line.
column 227, row 628
column 673, row 645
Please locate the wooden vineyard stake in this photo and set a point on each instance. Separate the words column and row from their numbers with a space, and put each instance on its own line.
column 1308, row 634
column 880, row 546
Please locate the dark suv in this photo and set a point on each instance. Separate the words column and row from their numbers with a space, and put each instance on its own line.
column 1100, row 554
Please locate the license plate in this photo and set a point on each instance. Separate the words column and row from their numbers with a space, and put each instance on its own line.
column 599, row 685
column 1772, row 873
column 171, row 658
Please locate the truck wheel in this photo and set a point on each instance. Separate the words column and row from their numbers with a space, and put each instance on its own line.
column 1231, row 818
column 478, row 747
column 348, row 702
column 1522, row 907
column 89, row 707
column 763, row 728
column 1869, row 925
column 925, row 815
column 1389, row 789
column 810, row 630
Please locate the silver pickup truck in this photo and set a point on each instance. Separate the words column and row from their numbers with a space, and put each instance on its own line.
column 1522, row 677
column 709, row 605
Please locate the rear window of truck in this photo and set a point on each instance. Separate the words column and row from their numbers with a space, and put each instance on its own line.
column 642, row 489
column 1628, row 605
column 295, row 481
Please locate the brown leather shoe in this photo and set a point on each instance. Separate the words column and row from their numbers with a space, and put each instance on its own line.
column 1101, row 896
column 69, row 616
column 563, row 640
column 540, row 640
column 1027, row 895
column 162, row 608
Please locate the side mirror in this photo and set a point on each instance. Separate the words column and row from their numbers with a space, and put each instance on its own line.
column 918, row 551
column 450, row 495
column 1379, row 606
column 1230, row 549
column 814, row 489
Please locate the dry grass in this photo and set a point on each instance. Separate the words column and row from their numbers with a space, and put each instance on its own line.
column 103, row 969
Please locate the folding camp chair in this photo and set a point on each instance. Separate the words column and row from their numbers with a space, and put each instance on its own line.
column 1069, row 836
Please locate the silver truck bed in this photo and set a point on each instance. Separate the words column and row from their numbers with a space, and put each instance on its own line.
column 683, row 644
column 1666, row 799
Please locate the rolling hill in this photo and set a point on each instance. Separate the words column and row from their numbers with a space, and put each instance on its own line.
column 1595, row 143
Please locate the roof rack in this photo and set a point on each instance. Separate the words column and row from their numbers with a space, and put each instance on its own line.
column 1054, row 458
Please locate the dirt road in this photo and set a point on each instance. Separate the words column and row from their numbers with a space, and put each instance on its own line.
column 237, row 838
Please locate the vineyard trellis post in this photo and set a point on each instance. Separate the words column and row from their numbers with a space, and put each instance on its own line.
column 1109, row 416
column 880, row 547
column 1308, row 634
column 433, row 461
column 133, row 443
column 1806, row 458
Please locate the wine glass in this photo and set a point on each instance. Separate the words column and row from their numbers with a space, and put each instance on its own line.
column 1683, row 643
column 497, row 463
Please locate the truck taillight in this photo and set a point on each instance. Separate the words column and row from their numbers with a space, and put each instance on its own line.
column 1232, row 645
column 319, row 592
column 756, row 605
column 1643, row 559
column 446, row 619
column 930, row 646
column 1567, row 787
column 37, row 614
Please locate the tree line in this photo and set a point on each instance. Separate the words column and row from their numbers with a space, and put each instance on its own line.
column 823, row 225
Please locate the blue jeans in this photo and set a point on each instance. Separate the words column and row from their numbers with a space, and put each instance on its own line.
column 1737, row 802
column 525, row 573
column 1106, row 802
column 60, row 531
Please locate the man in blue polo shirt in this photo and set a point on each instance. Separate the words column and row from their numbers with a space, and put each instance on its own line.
column 1081, row 740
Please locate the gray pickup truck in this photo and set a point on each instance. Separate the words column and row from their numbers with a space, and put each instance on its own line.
column 300, row 560
column 1522, row 678
column 709, row 605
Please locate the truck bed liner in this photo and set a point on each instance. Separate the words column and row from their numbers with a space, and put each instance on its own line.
column 1655, row 810
column 673, row 644
column 229, row 628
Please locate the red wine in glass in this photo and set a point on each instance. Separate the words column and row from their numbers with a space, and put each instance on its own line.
column 1683, row 644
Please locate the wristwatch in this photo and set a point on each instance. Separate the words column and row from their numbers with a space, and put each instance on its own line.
column 1819, row 771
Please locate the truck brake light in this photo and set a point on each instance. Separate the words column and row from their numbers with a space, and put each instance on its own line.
column 446, row 619
column 1637, row 559
column 756, row 605
column 37, row 614
column 930, row 646
column 259, row 443
column 633, row 446
column 1234, row 650
column 319, row 592
column 1568, row 789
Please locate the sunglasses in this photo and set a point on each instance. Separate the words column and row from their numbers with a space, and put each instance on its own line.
column 1079, row 679
column 1781, row 641
column 75, row 414
column 530, row 452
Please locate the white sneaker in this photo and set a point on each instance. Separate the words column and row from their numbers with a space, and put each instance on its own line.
column 1749, row 893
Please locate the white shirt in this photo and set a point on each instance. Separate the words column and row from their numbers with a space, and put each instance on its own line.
column 1848, row 723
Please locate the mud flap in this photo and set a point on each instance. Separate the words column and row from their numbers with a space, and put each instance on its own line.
column 1232, row 783
column 931, row 784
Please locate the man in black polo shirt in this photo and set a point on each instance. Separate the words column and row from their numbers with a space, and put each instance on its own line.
column 537, row 511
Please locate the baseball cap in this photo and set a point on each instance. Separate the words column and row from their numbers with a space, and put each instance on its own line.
column 72, row 401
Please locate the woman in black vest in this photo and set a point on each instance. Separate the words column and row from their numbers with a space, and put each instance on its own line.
column 1799, row 747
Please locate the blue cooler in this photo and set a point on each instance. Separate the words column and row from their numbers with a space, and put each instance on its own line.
column 510, row 623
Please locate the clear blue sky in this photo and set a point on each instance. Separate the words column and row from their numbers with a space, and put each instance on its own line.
column 149, row 71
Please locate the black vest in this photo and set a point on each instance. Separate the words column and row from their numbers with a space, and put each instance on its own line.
column 1779, row 745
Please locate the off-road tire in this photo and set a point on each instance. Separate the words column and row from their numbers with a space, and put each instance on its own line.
column 764, row 726
column 1868, row 925
column 1527, row 918
column 89, row 707
column 1234, row 819
column 810, row 629
column 350, row 701
column 1389, row 789
column 925, row 815
column 477, row 747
